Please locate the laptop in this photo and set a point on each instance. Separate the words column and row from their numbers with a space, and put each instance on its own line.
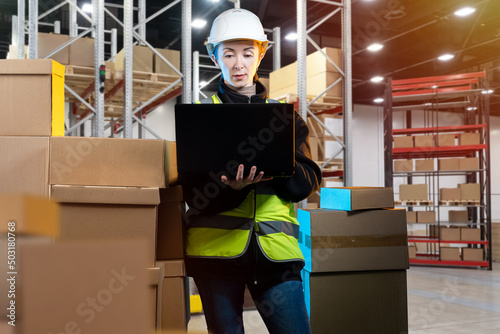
column 218, row 137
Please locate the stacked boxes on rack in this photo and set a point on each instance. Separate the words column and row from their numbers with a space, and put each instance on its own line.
column 355, row 245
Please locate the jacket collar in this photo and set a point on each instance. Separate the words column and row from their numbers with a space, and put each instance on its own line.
column 227, row 95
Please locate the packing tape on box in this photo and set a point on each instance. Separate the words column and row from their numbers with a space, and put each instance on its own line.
column 392, row 240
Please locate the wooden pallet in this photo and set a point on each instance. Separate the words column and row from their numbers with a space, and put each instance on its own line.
column 460, row 203
column 414, row 202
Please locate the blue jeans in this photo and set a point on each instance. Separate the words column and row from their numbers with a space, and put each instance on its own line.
column 281, row 306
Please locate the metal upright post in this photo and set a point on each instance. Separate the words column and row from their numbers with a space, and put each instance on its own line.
column 21, row 12
column 127, row 66
column 186, row 51
column 277, row 48
column 301, row 57
column 33, row 30
column 57, row 27
column 114, row 42
column 196, row 76
column 73, row 26
column 98, row 18
column 142, row 33
column 347, row 98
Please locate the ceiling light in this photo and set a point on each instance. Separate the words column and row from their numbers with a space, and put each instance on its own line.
column 215, row 0
column 465, row 11
column 291, row 36
column 378, row 100
column 446, row 56
column 375, row 47
column 87, row 8
column 434, row 87
column 198, row 23
column 377, row 79
column 471, row 108
column 489, row 91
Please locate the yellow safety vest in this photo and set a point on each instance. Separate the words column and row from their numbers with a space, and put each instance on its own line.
column 227, row 234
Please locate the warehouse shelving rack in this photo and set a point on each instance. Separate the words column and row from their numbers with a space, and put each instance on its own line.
column 468, row 95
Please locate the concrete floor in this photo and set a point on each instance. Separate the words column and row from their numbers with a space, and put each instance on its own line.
column 440, row 301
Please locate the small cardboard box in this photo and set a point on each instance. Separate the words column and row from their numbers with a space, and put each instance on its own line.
column 450, row 194
column 468, row 163
column 413, row 192
column 450, row 233
column 170, row 240
column 411, row 216
column 403, row 141
column 142, row 59
column 470, row 138
column 447, row 139
column 470, row 234
column 173, row 56
column 28, row 215
column 424, row 164
column 426, row 217
column 356, row 198
column 32, row 95
column 458, row 216
column 473, row 254
column 334, row 240
column 470, row 191
column 171, row 303
column 24, row 165
column 450, row 254
column 423, row 141
column 448, row 164
column 412, row 252
column 335, row 301
column 48, row 42
column 403, row 165
column 107, row 162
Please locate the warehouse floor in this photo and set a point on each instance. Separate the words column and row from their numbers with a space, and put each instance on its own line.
column 440, row 301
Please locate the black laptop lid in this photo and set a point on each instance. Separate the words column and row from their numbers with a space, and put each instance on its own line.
column 218, row 137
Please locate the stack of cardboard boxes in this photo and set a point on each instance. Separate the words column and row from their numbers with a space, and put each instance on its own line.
column 356, row 253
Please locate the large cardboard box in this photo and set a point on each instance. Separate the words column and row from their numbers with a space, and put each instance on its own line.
column 90, row 213
column 403, row 141
column 171, row 302
column 426, row 217
column 93, row 287
column 450, row 233
column 32, row 95
column 446, row 139
column 107, row 162
column 142, row 59
column 470, row 234
column 450, row 254
column 403, row 165
column 423, row 141
column 170, row 240
column 24, row 165
column 450, row 194
column 472, row 254
column 458, row 216
column 470, row 191
column 356, row 198
column 314, row 86
column 25, row 214
column 81, row 52
column 48, row 42
column 412, row 252
column 468, row 163
column 413, row 192
column 424, row 164
column 448, row 164
column 333, row 240
column 470, row 138
column 372, row 302
column 173, row 56
column 411, row 216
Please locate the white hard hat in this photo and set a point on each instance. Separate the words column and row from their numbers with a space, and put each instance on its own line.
column 236, row 24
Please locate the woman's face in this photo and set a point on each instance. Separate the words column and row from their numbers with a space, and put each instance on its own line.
column 238, row 61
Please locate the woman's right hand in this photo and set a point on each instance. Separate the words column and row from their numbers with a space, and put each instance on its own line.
column 240, row 182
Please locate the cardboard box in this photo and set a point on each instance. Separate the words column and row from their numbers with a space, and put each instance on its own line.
column 470, row 191
column 24, row 165
column 458, row 216
column 107, row 162
column 173, row 56
column 170, row 240
column 468, row 163
column 450, row 254
column 412, row 252
column 142, row 59
column 403, row 165
column 470, row 234
column 450, row 194
column 28, row 215
column 81, row 52
column 411, row 216
column 472, row 254
column 155, row 277
column 356, row 198
column 424, row 164
column 423, row 141
column 32, row 95
column 470, row 138
column 372, row 302
column 447, row 139
column 450, row 233
column 403, row 141
column 171, row 304
column 171, row 174
column 426, row 217
column 94, row 287
column 448, row 164
column 413, row 192
column 333, row 240
column 49, row 42
column 90, row 213
column 314, row 86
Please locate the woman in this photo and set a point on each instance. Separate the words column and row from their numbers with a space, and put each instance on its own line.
column 247, row 234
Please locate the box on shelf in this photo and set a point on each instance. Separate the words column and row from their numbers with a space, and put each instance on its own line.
column 356, row 198
column 472, row 254
column 173, row 56
column 450, row 194
column 336, row 301
column 403, row 165
column 171, row 173
column 142, row 59
column 450, row 233
column 29, row 215
column 24, row 165
column 424, row 165
column 413, row 192
column 469, row 138
column 334, row 240
column 411, row 216
column 426, row 217
column 48, row 42
column 111, row 213
column 458, row 216
column 450, row 254
column 107, row 162
column 468, row 163
column 448, row 164
column 446, row 139
column 314, row 86
column 81, row 52
column 470, row 234
column 39, row 112
column 170, row 237
column 412, row 252
column 423, row 141
column 470, row 191
column 403, row 141
column 171, row 308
